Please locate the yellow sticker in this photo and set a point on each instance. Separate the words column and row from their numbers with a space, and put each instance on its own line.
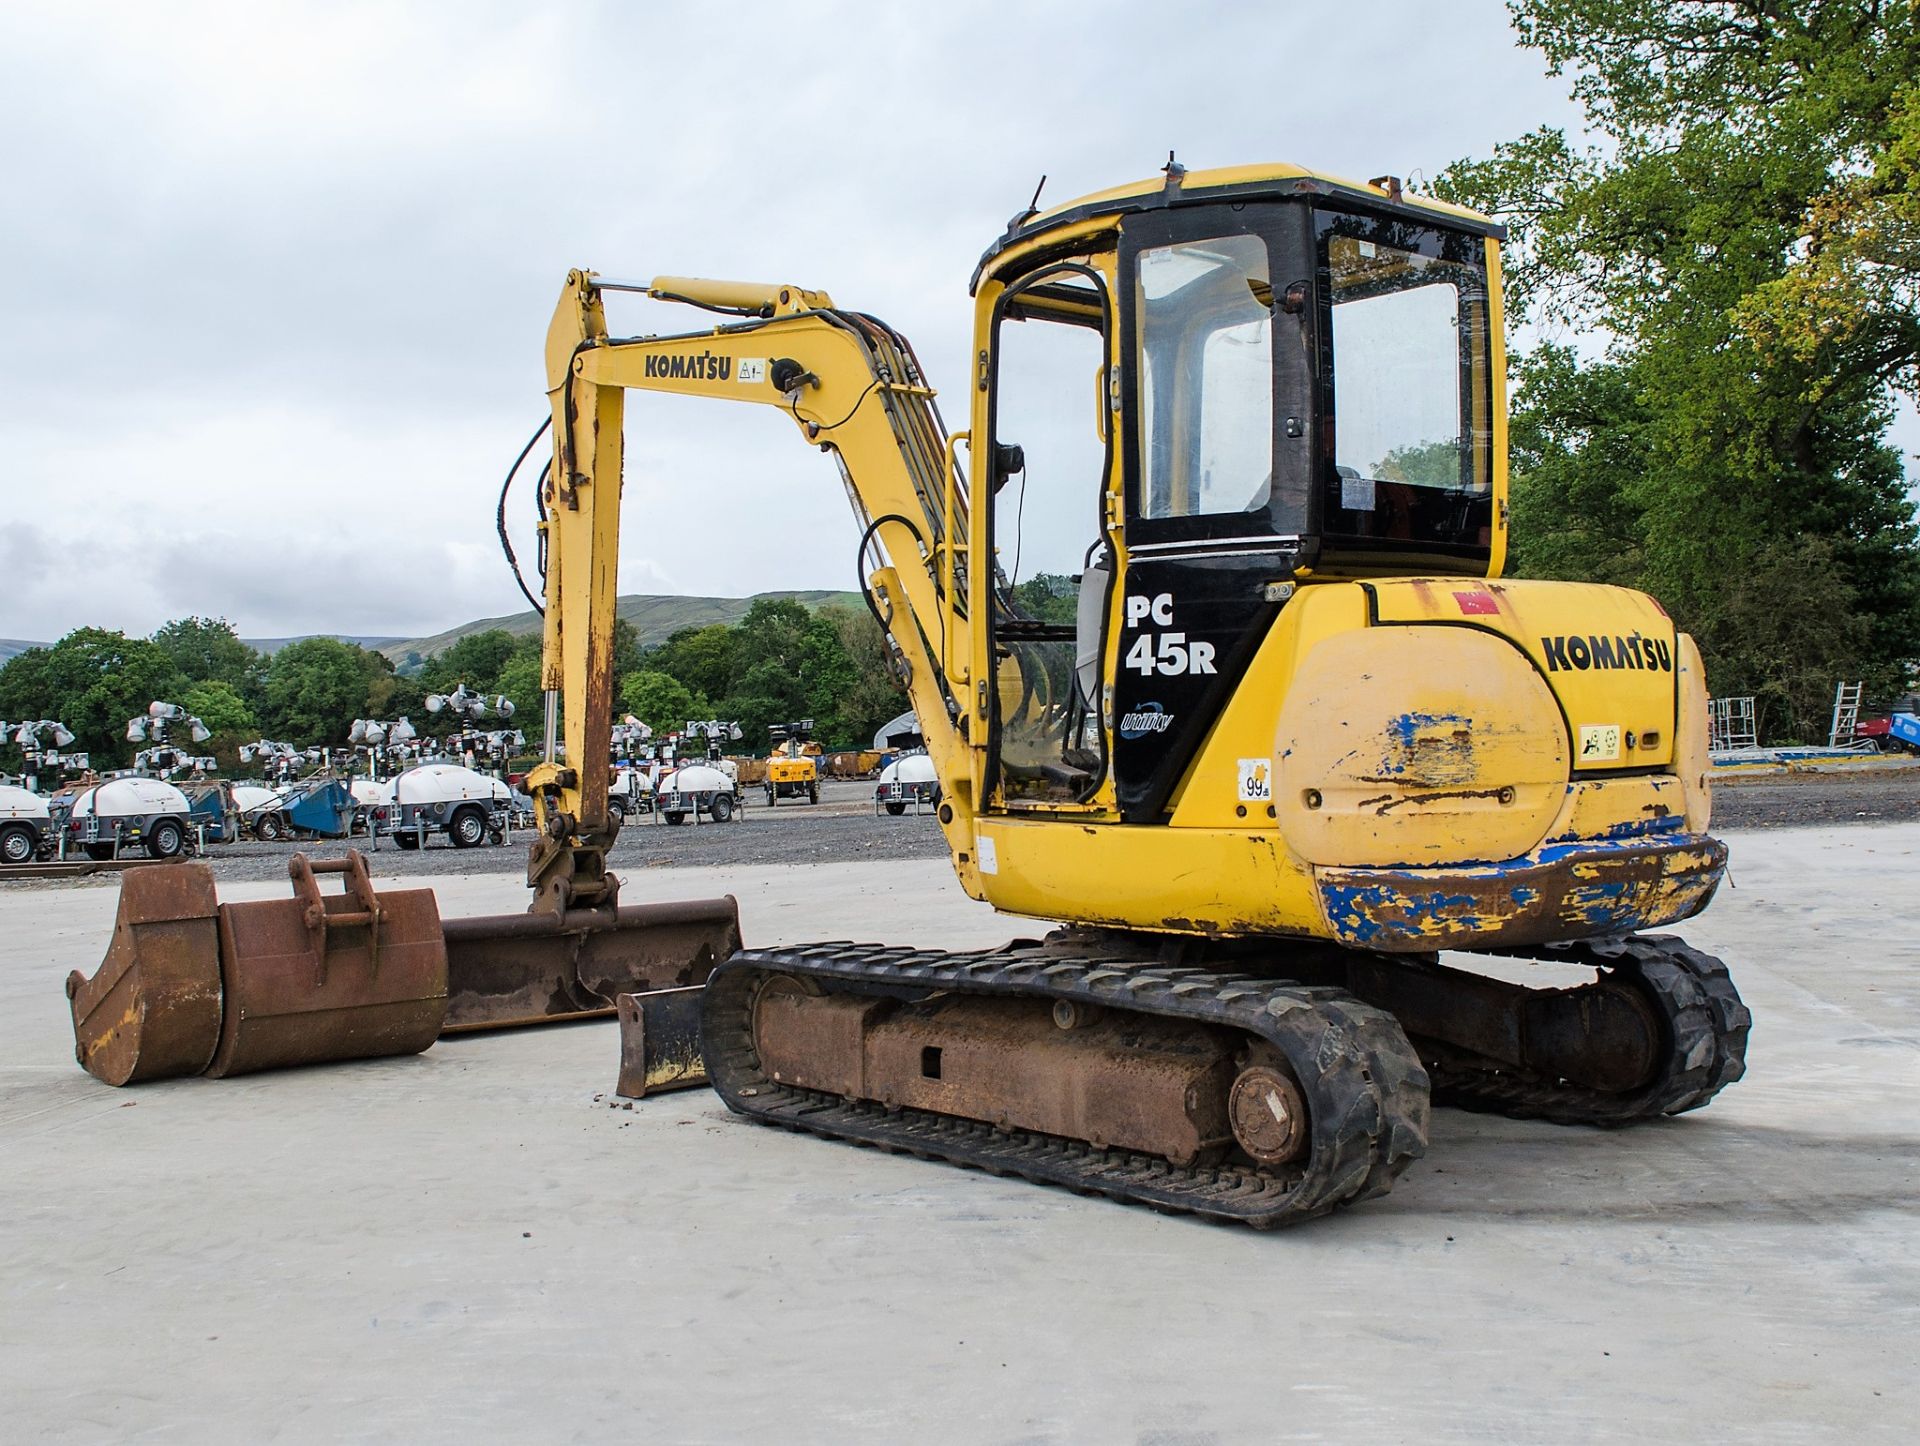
column 1599, row 743
column 1256, row 780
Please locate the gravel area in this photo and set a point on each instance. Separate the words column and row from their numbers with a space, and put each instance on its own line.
column 1888, row 794
column 843, row 828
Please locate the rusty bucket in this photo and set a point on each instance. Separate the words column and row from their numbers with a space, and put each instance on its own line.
column 315, row 978
column 192, row 986
column 152, row 1010
column 506, row 970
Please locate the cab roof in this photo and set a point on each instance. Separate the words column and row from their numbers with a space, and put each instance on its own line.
column 1177, row 186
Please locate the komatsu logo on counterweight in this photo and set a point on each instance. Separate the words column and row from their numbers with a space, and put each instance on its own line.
column 1574, row 653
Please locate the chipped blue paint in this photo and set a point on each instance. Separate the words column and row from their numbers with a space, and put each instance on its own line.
column 1440, row 745
column 1398, row 906
column 1633, row 828
column 1407, row 726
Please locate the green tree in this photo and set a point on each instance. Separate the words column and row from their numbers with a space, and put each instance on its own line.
column 769, row 692
column 475, row 660
column 520, row 680
column 209, row 649
column 628, row 655
column 702, row 658
column 219, row 705
column 1742, row 241
column 660, row 700
column 314, row 689
column 393, row 695
column 1048, row 597
column 874, row 695
column 93, row 680
column 827, row 677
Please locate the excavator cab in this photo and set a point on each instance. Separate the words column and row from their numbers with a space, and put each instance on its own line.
column 1205, row 405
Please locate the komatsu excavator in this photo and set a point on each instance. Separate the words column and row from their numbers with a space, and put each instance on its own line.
column 1202, row 620
column 1282, row 739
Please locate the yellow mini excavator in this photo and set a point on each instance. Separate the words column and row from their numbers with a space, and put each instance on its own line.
column 1202, row 620
column 1206, row 636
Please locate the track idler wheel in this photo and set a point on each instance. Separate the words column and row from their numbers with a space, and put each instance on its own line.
column 1696, row 1036
column 1267, row 1112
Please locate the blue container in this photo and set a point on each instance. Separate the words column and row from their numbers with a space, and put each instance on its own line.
column 323, row 807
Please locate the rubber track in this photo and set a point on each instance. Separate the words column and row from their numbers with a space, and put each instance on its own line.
column 1705, row 1036
column 1366, row 1088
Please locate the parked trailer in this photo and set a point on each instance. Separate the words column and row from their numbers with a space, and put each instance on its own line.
column 122, row 813
column 631, row 792
column 370, row 796
column 26, row 825
column 259, row 810
column 908, row 782
column 696, row 789
column 215, row 812
column 468, row 807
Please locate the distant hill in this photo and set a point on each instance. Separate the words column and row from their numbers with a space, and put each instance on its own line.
column 655, row 619
column 13, row 647
column 270, row 646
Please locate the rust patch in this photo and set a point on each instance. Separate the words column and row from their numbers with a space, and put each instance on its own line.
column 152, row 1009
column 1564, row 893
column 318, row 978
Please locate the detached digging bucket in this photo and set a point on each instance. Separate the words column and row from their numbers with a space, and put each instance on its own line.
column 193, row 986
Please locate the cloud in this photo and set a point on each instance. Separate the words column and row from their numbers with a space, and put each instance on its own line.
column 275, row 291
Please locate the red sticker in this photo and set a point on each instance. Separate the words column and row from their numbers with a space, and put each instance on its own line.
column 1477, row 604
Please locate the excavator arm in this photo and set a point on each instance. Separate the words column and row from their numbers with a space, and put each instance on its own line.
column 853, row 388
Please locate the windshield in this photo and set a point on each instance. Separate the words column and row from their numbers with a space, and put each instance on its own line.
column 1207, row 362
column 1308, row 373
column 1406, row 383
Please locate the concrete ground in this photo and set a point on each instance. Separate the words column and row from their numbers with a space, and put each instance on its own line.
column 471, row 1245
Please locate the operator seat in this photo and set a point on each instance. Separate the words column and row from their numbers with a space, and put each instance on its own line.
column 1089, row 620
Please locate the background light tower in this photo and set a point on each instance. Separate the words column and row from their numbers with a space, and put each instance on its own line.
column 472, row 744
column 169, row 728
column 715, row 731
column 396, row 744
column 40, row 741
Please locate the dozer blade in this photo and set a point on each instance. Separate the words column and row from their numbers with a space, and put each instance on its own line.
column 514, row 969
column 152, row 1010
column 659, row 1042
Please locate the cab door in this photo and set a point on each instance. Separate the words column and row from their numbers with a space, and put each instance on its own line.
column 1217, row 329
column 1051, row 555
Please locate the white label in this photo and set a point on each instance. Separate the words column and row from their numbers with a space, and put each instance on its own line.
column 1357, row 494
column 983, row 851
column 1256, row 780
column 1599, row 743
column 752, row 369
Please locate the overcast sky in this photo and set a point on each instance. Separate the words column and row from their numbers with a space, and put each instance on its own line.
column 274, row 278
